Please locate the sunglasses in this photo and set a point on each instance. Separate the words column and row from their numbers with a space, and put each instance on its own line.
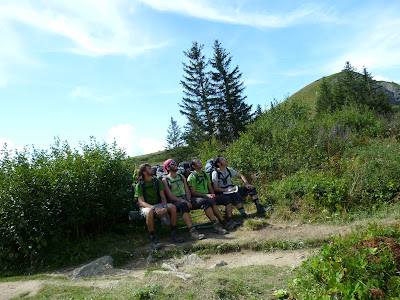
column 172, row 163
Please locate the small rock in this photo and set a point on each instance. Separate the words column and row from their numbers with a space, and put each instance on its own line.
column 169, row 266
column 220, row 264
column 150, row 258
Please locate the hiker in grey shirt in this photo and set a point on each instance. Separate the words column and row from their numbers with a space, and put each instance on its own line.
column 222, row 183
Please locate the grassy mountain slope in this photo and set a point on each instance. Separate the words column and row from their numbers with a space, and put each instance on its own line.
column 310, row 92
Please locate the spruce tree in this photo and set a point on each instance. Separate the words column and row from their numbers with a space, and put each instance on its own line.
column 174, row 135
column 324, row 101
column 197, row 105
column 233, row 113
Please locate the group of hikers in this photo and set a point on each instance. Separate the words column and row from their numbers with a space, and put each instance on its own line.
column 172, row 194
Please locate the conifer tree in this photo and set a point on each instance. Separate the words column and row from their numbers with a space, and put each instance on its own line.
column 197, row 105
column 233, row 113
column 258, row 113
column 174, row 135
column 324, row 101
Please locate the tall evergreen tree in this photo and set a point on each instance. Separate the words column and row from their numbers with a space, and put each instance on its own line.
column 324, row 101
column 233, row 112
column 174, row 135
column 197, row 105
column 258, row 113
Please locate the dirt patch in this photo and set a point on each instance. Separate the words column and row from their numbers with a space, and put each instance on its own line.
column 9, row 290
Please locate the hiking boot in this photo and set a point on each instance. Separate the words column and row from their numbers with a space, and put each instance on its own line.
column 232, row 225
column 154, row 244
column 261, row 210
column 176, row 238
column 219, row 229
column 194, row 234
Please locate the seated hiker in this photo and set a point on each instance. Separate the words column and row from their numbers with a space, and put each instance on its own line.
column 151, row 197
column 199, row 183
column 177, row 192
column 222, row 182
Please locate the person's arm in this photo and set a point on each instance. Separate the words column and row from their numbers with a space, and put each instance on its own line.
column 164, row 210
column 248, row 185
column 143, row 203
column 187, row 190
column 218, row 189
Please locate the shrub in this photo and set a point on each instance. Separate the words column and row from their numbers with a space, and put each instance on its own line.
column 62, row 194
column 359, row 266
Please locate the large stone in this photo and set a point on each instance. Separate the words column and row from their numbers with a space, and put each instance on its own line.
column 95, row 267
column 192, row 259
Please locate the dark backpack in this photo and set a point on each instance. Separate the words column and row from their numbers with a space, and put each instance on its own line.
column 184, row 168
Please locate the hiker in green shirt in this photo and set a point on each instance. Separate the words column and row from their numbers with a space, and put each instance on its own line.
column 201, row 188
column 178, row 192
column 151, row 197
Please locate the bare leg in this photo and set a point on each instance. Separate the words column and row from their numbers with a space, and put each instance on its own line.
column 172, row 213
column 210, row 213
column 187, row 219
column 150, row 220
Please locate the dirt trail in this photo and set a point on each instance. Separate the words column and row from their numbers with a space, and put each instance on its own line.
column 138, row 268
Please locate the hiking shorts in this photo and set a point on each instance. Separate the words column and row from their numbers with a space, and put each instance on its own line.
column 203, row 203
column 145, row 210
column 244, row 191
column 181, row 206
column 223, row 200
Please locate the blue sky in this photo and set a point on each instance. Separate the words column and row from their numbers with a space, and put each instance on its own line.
column 112, row 68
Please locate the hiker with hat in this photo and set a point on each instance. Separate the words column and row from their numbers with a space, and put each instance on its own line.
column 222, row 184
column 151, row 197
column 177, row 191
column 200, row 187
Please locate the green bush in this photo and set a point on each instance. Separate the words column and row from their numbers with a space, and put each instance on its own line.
column 47, row 197
column 359, row 266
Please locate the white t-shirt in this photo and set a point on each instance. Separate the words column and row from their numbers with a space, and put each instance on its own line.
column 224, row 180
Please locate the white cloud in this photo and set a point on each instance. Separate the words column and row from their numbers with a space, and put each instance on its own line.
column 254, row 81
column 10, row 145
column 227, row 12
column 84, row 93
column 126, row 137
column 150, row 145
column 376, row 45
column 381, row 78
column 95, row 27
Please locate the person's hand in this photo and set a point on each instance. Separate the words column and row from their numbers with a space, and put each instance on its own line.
column 249, row 186
column 189, row 204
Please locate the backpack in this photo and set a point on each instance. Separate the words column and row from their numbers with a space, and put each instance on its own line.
column 211, row 167
column 169, row 180
column 158, row 171
column 184, row 169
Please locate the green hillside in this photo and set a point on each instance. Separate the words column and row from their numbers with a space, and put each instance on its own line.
column 309, row 93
